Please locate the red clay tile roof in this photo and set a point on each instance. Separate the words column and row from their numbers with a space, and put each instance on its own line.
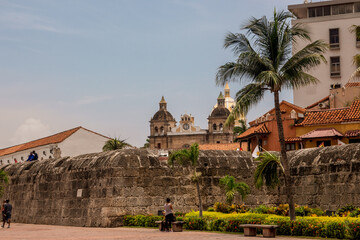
column 259, row 129
column 56, row 138
column 352, row 133
column 328, row 116
column 220, row 146
column 321, row 133
column 292, row 139
column 316, row 103
column 299, row 109
column 352, row 84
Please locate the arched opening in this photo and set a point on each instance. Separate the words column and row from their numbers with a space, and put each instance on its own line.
column 156, row 130
column 221, row 127
column 214, row 126
column 162, row 130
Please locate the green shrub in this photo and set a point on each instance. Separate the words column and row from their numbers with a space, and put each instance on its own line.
column 261, row 209
column 217, row 225
column 334, row 230
column 211, row 209
column 346, row 210
column 195, row 223
column 141, row 220
column 179, row 214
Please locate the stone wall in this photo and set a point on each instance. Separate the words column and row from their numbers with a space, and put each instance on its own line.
column 97, row 189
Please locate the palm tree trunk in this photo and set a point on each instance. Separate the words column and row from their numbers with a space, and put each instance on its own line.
column 284, row 159
column 199, row 196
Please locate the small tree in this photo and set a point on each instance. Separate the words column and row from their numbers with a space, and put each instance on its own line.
column 4, row 179
column 185, row 157
column 232, row 187
column 114, row 144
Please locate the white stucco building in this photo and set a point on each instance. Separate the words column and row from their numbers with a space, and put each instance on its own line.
column 330, row 21
column 71, row 143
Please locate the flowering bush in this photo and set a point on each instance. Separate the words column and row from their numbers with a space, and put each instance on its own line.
column 325, row 227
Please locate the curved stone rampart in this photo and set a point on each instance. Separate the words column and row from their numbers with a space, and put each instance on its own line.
column 97, row 189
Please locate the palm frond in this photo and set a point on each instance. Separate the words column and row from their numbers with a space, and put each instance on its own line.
column 267, row 170
column 181, row 157
column 243, row 189
column 247, row 97
column 115, row 143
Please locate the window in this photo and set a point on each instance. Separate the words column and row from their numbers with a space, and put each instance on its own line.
column 357, row 36
column 356, row 140
column 159, row 145
column 290, row 146
column 217, row 142
column 221, row 127
column 357, row 7
column 214, row 127
column 335, row 66
column 162, row 130
column 334, row 38
column 319, row 11
column 342, row 9
column 326, row 143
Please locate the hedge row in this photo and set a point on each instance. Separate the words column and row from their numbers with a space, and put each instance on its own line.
column 326, row 227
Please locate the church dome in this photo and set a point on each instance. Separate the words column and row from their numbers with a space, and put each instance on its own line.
column 163, row 115
column 220, row 112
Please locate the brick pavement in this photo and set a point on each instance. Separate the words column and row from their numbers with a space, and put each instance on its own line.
column 20, row 231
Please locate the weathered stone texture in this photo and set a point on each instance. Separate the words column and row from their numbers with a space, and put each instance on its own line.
column 136, row 182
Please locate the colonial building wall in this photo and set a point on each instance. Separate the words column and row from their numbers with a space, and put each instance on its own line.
column 81, row 142
column 98, row 189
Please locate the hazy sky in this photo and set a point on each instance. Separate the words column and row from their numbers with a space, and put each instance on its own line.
column 104, row 65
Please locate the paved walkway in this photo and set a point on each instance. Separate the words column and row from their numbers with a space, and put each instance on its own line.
column 39, row 232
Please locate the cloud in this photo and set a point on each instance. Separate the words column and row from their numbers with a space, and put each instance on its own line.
column 30, row 129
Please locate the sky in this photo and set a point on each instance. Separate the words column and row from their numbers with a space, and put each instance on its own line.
column 104, row 65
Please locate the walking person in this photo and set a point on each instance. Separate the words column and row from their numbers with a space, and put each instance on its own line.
column 169, row 215
column 7, row 211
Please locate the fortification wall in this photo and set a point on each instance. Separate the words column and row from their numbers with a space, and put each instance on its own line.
column 98, row 189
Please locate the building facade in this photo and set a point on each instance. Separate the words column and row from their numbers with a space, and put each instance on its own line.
column 331, row 21
column 165, row 134
column 328, row 127
column 263, row 131
column 70, row 143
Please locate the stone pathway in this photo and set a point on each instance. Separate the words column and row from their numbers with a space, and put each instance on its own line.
column 39, row 232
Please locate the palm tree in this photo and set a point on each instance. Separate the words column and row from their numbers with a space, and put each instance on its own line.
column 185, row 157
column 115, row 143
column 240, row 129
column 232, row 187
column 264, row 61
column 4, row 179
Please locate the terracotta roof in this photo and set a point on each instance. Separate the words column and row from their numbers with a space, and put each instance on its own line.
column 352, row 133
column 56, row 138
column 295, row 107
column 321, row 133
column 316, row 103
column 352, row 84
column 220, row 146
column 328, row 116
column 259, row 129
column 292, row 139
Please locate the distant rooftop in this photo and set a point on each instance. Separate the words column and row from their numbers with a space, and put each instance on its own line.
column 313, row 9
